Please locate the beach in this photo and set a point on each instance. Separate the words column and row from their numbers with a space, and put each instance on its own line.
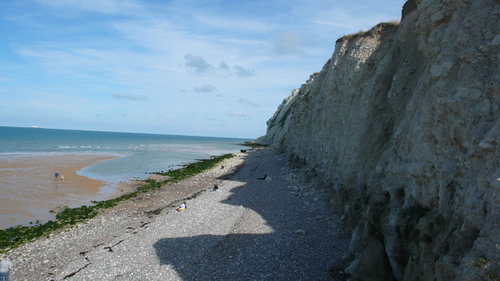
column 279, row 228
column 96, row 166
column 30, row 190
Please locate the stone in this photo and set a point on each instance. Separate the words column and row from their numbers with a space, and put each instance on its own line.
column 486, row 146
column 300, row 231
column 496, row 40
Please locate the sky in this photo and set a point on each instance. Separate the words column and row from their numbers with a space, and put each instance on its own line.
column 178, row 67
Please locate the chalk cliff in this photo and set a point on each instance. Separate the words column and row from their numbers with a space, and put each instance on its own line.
column 402, row 127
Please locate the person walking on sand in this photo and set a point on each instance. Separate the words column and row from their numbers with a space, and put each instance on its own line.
column 5, row 267
column 215, row 187
column 56, row 175
column 62, row 177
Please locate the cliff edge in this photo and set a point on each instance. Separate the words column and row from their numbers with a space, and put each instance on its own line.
column 402, row 127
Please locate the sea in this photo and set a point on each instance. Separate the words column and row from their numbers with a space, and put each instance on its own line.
column 135, row 155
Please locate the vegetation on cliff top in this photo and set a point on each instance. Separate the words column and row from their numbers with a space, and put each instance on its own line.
column 361, row 32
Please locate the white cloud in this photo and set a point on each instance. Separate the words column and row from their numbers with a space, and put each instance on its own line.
column 207, row 88
column 241, row 72
column 111, row 7
column 198, row 64
column 233, row 24
column 289, row 43
column 130, row 97
column 238, row 114
column 224, row 65
column 80, row 51
column 331, row 23
column 246, row 101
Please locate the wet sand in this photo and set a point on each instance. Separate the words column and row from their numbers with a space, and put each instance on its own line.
column 29, row 191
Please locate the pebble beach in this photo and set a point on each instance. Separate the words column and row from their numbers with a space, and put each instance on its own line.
column 279, row 228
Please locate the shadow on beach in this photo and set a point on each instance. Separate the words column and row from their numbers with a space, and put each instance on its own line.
column 296, row 246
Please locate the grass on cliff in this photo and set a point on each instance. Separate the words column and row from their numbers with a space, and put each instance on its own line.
column 15, row 236
column 393, row 23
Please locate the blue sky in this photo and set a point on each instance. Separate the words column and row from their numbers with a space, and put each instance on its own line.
column 205, row 68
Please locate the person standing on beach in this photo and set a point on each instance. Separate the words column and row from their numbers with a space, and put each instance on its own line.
column 57, row 175
column 5, row 267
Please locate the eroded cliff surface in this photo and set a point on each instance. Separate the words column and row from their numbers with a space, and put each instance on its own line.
column 402, row 126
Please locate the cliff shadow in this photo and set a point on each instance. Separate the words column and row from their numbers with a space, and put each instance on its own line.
column 276, row 237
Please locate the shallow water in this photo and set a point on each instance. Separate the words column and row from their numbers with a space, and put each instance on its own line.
column 94, row 165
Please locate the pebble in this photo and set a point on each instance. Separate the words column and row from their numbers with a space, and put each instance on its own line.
column 246, row 230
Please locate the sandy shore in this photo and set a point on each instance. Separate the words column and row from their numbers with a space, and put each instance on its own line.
column 29, row 189
column 250, row 229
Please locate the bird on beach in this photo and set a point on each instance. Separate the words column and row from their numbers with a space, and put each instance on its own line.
column 182, row 207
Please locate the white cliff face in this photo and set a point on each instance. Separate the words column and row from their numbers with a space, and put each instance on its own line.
column 402, row 125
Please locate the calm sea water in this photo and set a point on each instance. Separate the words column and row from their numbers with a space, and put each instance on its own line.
column 28, row 193
column 139, row 153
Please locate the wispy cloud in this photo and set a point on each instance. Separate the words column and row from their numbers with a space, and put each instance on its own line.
column 238, row 114
column 234, row 23
column 241, row 72
column 130, row 97
column 246, row 101
column 331, row 23
column 289, row 43
column 181, row 53
column 111, row 7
